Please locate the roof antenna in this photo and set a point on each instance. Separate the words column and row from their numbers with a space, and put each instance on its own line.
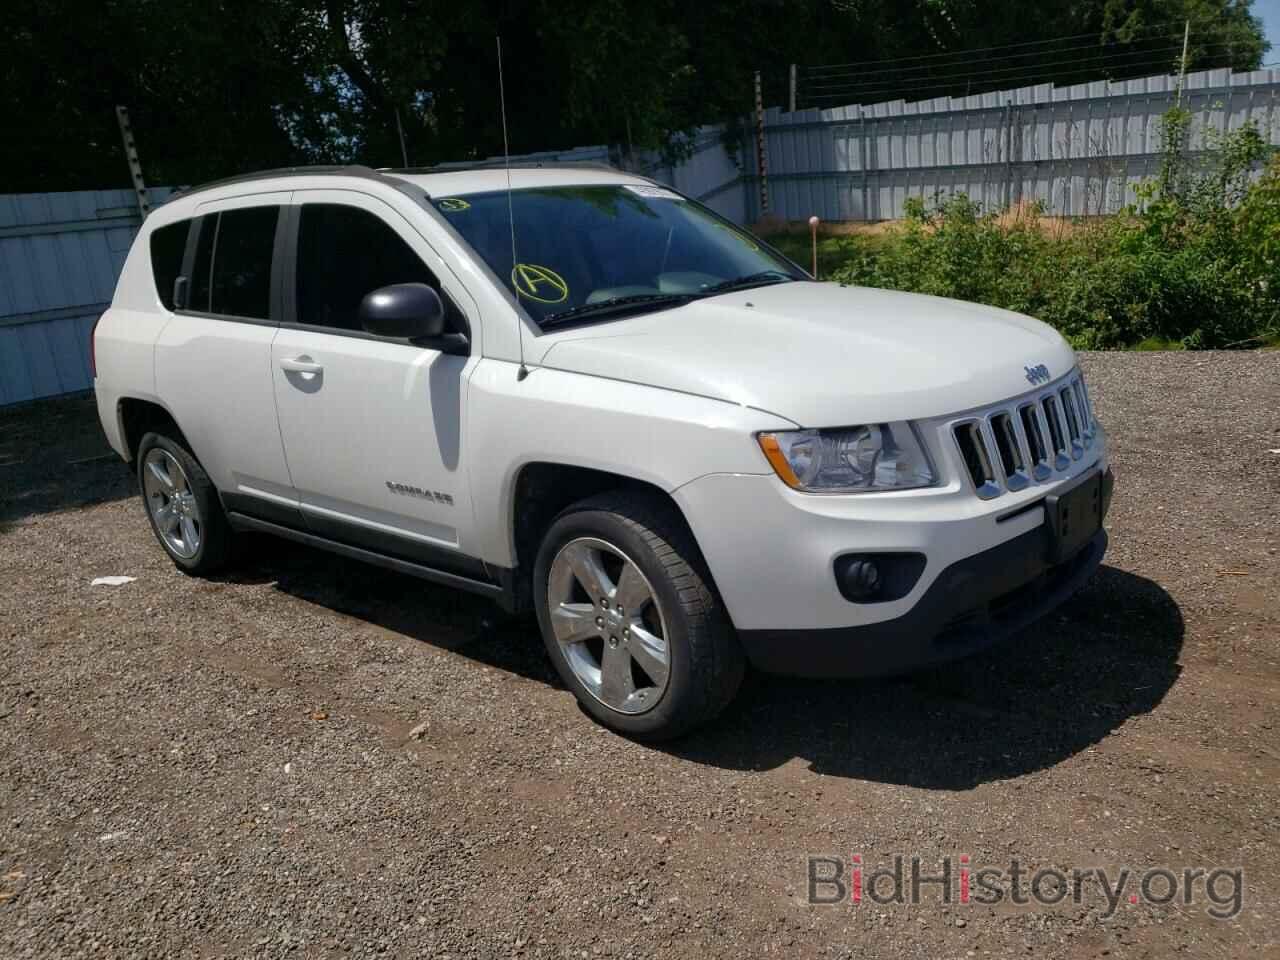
column 511, row 217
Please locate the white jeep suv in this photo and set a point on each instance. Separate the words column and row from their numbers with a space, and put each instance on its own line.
column 589, row 396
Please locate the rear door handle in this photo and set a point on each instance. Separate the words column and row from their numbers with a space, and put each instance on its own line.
column 301, row 365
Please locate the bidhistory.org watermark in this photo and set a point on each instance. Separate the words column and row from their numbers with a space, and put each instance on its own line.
column 837, row 880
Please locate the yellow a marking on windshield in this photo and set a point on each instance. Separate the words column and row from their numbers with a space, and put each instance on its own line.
column 740, row 237
column 529, row 279
column 453, row 205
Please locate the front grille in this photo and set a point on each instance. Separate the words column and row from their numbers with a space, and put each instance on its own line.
column 1029, row 440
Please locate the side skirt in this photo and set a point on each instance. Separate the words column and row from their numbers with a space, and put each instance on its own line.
column 500, row 592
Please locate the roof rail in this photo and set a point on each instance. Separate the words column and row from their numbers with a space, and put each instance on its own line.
column 350, row 170
column 499, row 164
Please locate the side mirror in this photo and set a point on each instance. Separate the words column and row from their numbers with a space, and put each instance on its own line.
column 411, row 311
column 180, row 287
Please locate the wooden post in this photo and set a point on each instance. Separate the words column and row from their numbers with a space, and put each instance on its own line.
column 792, row 101
column 1182, row 65
column 813, row 234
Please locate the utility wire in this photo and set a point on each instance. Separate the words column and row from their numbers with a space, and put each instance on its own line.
column 1100, row 61
column 897, row 93
column 966, row 61
column 1023, row 76
column 1179, row 23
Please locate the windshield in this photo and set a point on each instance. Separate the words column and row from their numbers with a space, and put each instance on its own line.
column 619, row 248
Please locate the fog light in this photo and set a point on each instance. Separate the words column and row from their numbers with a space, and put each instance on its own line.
column 878, row 577
column 860, row 580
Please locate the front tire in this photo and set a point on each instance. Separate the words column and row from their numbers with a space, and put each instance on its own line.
column 182, row 506
column 630, row 617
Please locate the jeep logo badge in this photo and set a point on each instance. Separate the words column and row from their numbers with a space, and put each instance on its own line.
column 1037, row 374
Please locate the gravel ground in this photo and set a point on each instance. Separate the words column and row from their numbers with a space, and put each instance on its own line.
column 316, row 758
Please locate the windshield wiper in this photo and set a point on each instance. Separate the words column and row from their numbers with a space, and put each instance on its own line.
column 760, row 279
column 614, row 305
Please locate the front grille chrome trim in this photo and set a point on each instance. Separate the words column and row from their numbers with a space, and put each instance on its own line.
column 1004, row 441
column 1075, row 435
column 1037, row 444
column 1058, row 441
column 974, row 451
column 1032, row 439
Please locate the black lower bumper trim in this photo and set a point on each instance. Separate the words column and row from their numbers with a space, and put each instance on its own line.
column 972, row 604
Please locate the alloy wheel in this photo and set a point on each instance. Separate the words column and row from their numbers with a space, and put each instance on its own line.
column 609, row 625
column 172, row 502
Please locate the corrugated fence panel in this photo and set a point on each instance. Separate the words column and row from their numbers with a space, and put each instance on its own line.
column 60, row 255
column 1080, row 150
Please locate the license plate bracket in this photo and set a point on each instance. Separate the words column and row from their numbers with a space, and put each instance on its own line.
column 1074, row 516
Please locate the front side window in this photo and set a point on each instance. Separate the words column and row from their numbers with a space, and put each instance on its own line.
column 632, row 246
column 168, row 244
column 345, row 253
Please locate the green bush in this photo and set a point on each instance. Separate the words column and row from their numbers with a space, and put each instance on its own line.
column 1195, row 263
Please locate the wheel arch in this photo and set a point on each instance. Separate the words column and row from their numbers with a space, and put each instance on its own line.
column 137, row 418
column 541, row 489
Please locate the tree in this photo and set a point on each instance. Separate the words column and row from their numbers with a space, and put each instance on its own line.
column 217, row 87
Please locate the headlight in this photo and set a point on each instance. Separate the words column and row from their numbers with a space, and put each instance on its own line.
column 877, row 456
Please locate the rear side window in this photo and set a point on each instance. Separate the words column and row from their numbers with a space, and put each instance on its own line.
column 232, row 270
column 241, row 275
column 167, row 247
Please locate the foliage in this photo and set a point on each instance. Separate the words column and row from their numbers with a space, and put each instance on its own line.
column 216, row 88
column 1195, row 263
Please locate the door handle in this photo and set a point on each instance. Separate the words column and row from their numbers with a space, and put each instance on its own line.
column 301, row 365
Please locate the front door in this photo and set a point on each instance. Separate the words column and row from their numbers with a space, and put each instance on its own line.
column 372, row 426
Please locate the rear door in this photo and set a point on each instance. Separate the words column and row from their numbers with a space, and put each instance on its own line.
column 213, row 358
column 373, row 427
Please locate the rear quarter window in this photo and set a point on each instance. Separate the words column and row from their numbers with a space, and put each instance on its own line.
column 168, row 244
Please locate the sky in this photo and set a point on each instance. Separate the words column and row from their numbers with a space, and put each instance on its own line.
column 1269, row 12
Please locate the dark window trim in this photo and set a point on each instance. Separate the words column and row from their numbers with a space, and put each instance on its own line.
column 189, row 254
column 213, row 258
column 275, row 301
column 289, row 265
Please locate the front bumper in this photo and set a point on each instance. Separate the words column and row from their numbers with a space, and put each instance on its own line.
column 988, row 570
column 973, row 604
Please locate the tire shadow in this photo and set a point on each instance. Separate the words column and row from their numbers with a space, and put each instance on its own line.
column 1054, row 689
column 444, row 617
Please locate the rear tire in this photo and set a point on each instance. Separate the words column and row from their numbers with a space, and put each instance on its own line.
column 182, row 506
column 659, row 658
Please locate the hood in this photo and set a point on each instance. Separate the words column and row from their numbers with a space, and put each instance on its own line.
column 823, row 355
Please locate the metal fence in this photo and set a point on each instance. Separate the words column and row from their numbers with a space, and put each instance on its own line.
column 1080, row 149
column 60, row 255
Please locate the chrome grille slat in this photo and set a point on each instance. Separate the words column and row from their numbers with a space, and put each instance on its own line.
column 1000, row 427
column 974, row 452
column 1058, row 441
column 1075, row 436
column 1029, row 440
column 1040, row 468
column 1086, row 415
